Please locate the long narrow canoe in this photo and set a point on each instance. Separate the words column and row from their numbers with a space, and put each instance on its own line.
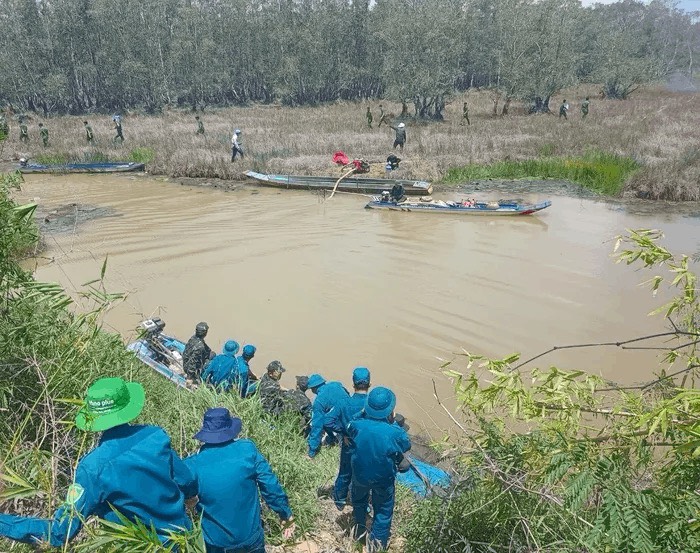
column 500, row 208
column 164, row 355
column 116, row 167
column 359, row 185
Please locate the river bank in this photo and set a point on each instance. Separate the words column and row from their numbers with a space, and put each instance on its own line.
column 655, row 128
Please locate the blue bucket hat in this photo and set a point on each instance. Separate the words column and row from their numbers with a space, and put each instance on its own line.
column 249, row 351
column 380, row 403
column 360, row 376
column 315, row 380
column 231, row 347
column 218, row 426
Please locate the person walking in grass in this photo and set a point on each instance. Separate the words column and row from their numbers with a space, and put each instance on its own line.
column 369, row 117
column 4, row 127
column 584, row 108
column 231, row 475
column 383, row 117
column 89, row 135
column 465, row 113
column 349, row 410
column 200, row 125
column 236, row 147
column 377, row 448
column 330, row 397
column 400, row 138
column 563, row 108
column 118, row 128
column 133, row 473
column 23, row 131
column 44, row 134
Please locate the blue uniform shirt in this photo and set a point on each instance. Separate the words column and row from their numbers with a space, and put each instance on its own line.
column 350, row 410
column 228, row 478
column 326, row 408
column 221, row 371
column 241, row 379
column 377, row 448
column 135, row 470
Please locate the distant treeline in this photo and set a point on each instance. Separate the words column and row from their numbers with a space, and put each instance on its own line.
column 102, row 55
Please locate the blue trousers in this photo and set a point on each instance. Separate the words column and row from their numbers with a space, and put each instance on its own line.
column 383, row 505
column 342, row 482
column 259, row 548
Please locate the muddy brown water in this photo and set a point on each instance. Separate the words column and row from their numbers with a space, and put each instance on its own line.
column 326, row 286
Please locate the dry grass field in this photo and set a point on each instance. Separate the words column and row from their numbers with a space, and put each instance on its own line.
column 658, row 129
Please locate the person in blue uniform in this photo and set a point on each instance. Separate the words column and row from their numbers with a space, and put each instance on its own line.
column 133, row 470
column 246, row 380
column 230, row 473
column 377, row 447
column 222, row 371
column 330, row 396
column 351, row 409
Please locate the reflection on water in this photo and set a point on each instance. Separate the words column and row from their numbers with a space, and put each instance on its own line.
column 326, row 286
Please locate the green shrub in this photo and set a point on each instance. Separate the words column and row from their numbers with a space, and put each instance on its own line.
column 142, row 155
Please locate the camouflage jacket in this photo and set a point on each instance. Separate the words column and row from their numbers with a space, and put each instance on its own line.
column 271, row 395
column 296, row 401
column 196, row 355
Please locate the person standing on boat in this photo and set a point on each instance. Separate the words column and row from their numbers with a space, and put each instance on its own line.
column 246, row 381
column 400, row 138
column 133, row 471
column 369, row 117
column 377, row 448
column 231, row 477
column 397, row 193
column 222, row 371
column 89, row 135
column 44, row 134
column 200, row 125
column 236, row 147
column 349, row 411
column 330, row 397
column 584, row 107
column 270, row 390
column 118, row 128
column 197, row 353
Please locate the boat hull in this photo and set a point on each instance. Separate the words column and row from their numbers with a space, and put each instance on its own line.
column 480, row 209
column 357, row 185
column 84, row 168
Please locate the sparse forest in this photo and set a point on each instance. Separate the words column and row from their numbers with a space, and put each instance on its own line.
column 77, row 56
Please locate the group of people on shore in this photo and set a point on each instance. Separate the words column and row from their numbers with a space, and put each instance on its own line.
column 134, row 473
column 44, row 131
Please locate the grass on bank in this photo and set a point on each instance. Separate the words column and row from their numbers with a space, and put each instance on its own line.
column 598, row 171
column 654, row 127
column 49, row 354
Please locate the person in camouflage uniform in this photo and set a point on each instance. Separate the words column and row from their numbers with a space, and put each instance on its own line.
column 89, row 135
column 200, row 125
column 197, row 353
column 44, row 134
column 584, row 107
column 4, row 126
column 23, row 131
column 369, row 117
column 563, row 108
column 297, row 401
column 270, row 391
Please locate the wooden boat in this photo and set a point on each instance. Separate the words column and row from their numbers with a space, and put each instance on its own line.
column 428, row 205
column 116, row 167
column 163, row 354
column 359, row 185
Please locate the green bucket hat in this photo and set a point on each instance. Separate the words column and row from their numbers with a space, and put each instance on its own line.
column 110, row 402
